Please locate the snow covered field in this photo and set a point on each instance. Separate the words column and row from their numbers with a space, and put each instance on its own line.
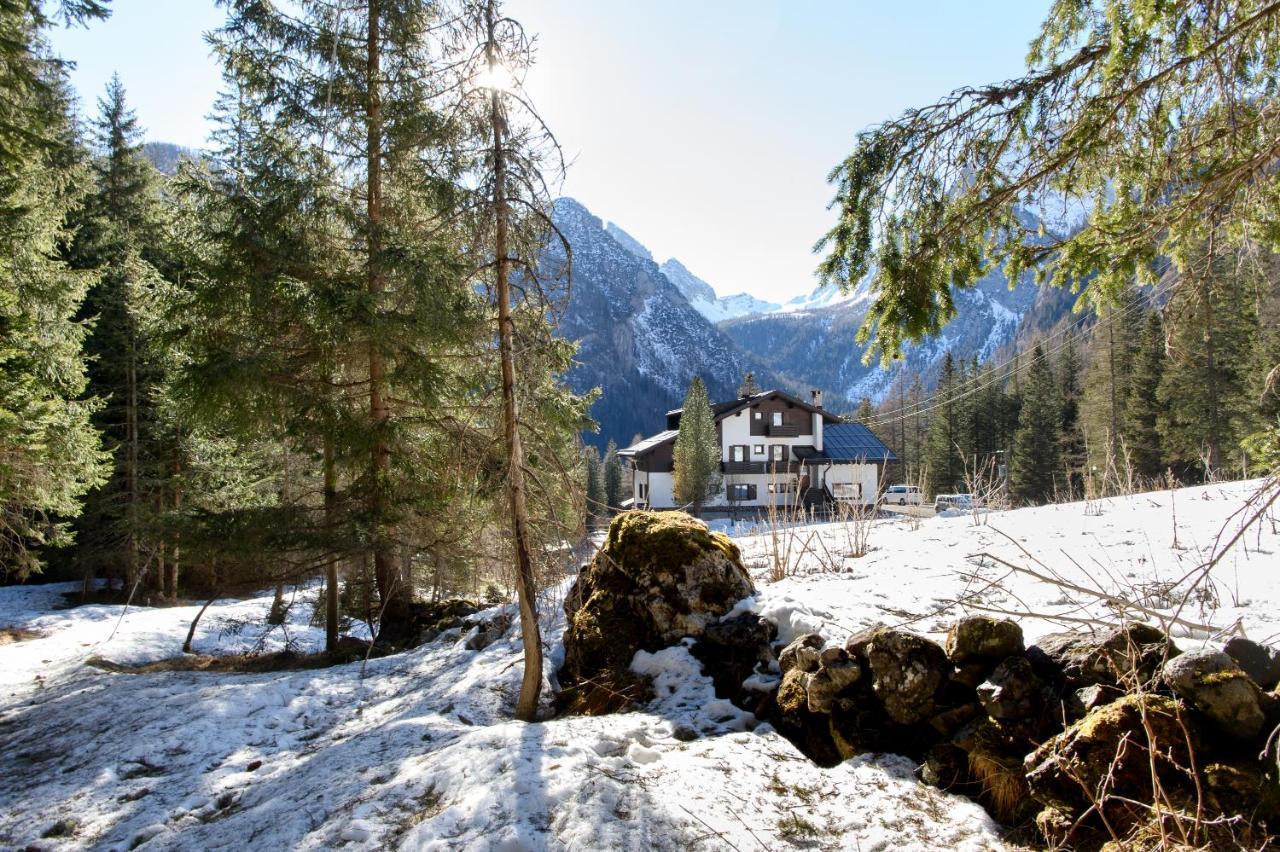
column 420, row 753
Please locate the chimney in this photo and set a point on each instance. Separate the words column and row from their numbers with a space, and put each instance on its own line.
column 816, row 396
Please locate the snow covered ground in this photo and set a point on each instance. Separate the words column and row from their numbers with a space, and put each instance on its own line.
column 419, row 753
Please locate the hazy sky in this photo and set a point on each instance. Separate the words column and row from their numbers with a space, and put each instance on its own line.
column 705, row 128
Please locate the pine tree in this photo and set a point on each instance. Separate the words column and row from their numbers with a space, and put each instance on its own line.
column 865, row 412
column 50, row 454
column 697, row 450
column 612, row 477
column 1036, row 458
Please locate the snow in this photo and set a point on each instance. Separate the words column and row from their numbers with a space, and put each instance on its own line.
column 418, row 750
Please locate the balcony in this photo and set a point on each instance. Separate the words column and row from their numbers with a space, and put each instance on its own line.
column 759, row 467
column 784, row 431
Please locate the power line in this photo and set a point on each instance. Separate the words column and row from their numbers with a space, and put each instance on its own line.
column 932, row 402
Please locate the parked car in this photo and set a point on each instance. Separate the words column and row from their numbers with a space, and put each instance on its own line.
column 903, row 495
column 952, row 501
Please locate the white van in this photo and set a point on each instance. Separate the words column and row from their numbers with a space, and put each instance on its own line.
column 903, row 495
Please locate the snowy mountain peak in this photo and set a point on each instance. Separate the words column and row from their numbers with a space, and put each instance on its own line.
column 627, row 241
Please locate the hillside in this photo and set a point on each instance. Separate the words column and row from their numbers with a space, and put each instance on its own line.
column 418, row 751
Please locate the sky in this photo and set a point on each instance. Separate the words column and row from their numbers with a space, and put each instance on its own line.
column 704, row 128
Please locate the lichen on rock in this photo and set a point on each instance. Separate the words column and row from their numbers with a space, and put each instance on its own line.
column 661, row 576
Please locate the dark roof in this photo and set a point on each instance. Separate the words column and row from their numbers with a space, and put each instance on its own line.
column 642, row 447
column 854, row 442
column 721, row 410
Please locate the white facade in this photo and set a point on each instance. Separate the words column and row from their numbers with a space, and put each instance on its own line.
column 847, row 481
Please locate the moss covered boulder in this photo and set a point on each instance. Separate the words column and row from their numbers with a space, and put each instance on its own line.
column 1105, row 761
column 661, row 576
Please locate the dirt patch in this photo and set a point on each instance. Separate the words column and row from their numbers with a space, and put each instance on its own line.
column 10, row 635
column 349, row 650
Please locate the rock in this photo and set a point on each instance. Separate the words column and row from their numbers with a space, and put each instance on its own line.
column 1212, row 683
column 837, row 672
column 431, row 618
column 489, row 632
column 1108, row 754
column 1259, row 662
column 945, row 767
column 982, row 637
column 1012, row 692
column 948, row 722
column 793, row 692
column 995, row 763
column 1241, row 788
column 970, row 674
column 906, row 673
column 857, row 643
column 731, row 649
column 1055, row 825
column 1088, row 698
column 660, row 576
column 1075, row 659
column 802, row 652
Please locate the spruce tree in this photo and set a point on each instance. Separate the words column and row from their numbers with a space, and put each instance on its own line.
column 942, row 452
column 1142, row 407
column 596, row 498
column 865, row 412
column 1036, row 459
column 612, row 477
column 330, row 308
column 1205, row 408
column 1071, row 435
column 697, row 450
column 119, row 234
column 50, row 454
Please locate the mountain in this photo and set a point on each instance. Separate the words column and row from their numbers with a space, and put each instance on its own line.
column 640, row 340
column 166, row 156
column 814, row 336
column 702, row 296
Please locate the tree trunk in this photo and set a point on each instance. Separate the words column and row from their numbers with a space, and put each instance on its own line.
column 331, row 561
column 391, row 589
column 276, row 615
column 531, row 686
column 171, row 583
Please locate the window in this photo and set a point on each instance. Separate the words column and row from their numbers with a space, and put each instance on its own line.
column 759, row 416
column 777, row 418
column 742, row 492
column 758, row 449
column 737, row 453
column 777, row 452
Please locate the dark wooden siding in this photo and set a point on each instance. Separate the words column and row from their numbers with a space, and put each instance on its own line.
column 801, row 419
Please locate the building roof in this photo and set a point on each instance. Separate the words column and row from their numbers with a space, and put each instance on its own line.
column 720, row 410
column 854, row 442
column 649, row 443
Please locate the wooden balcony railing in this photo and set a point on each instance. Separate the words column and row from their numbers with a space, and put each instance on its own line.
column 760, row 467
column 784, row 431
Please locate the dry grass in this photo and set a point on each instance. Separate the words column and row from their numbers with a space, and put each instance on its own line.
column 11, row 635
